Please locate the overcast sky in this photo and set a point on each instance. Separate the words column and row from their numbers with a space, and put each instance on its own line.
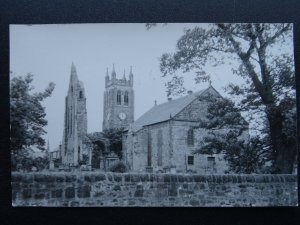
column 47, row 51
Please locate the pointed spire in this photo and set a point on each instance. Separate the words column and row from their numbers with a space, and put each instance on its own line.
column 48, row 146
column 113, row 73
column 107, row 72
column 124, row 78
column 209, row 84
column 131, row 76
column 73, row 72
column 155, row 103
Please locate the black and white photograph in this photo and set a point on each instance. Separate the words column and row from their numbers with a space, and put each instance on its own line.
column 153, row 115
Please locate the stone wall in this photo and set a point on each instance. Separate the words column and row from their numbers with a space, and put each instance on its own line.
column 112, row 189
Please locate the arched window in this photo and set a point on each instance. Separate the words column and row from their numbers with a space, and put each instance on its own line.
column 119, row 97
column 159, row 147
column 190, row 137
column 126, row 98
column 80, row 94
column 71, row 127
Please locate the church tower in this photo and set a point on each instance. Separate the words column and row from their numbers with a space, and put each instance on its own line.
column 75, row 122
column 118, row 110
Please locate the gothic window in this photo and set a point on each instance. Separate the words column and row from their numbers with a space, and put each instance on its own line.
column 80, row 94
column 119, row 97
column 211, row 162
column 149, row 157
column 71, row 120
column 159, row 147
column 190, row 160
column 190, row 137
column 67, row 119
column 126, row 98
column 78, row 152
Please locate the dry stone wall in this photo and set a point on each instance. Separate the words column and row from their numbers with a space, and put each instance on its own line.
column 113, row 189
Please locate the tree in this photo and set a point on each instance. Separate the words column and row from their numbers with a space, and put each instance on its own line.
column 228, row 133
column 27, row 115
column 101, row 143
column 114, row 137
column 97, row 144
column 268, row 71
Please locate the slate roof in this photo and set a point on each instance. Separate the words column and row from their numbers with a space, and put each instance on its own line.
column 162, row 112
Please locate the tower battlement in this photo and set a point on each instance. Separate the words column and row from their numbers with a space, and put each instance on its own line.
column 113, row 80
column 118, row 109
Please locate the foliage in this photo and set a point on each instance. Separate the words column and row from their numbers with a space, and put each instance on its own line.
column 57, row 162
column 245, row 156
column 262, row 56
column 102, row 143
column 26, row 162
column 119, row 167
column 84, row 160
column 228, row 133
column 96, row 143
column 114, row 137
column 27, row 116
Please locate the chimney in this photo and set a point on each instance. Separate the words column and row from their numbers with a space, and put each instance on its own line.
column 190, row 92
column 169, row 99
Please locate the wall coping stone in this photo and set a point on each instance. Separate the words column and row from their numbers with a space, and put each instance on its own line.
column 50, row 177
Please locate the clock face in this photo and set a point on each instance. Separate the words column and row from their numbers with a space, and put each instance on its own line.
column 122, row 116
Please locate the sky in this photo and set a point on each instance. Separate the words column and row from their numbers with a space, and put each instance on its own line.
column 47, row 51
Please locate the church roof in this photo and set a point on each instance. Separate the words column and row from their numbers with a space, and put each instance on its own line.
column 163, row 112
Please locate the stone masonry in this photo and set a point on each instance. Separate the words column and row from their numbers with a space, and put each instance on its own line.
column 75, row 122
column 159, row 139
column 118, row 107
column 113, row 189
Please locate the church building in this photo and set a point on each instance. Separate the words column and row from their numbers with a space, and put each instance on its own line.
column 168, row 137
column 75, row 122
column 118, row 108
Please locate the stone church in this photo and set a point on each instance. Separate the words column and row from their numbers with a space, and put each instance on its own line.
column 118, row 107
column 165, row 138
column 75, row 122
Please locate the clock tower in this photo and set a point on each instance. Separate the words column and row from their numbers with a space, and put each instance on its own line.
column 118, row 109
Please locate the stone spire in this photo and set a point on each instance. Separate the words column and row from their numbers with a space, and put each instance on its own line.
column 131, row 76
column 107, row 72
column 106, row 77
column 113, row 73
column 48, row 146
column 73, row 78
column 124, row 78
column 48, row 150
column 73, row 72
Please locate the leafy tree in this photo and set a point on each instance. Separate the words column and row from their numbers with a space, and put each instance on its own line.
column 114, row 137
column 245, row 156
column 101, row 143
column 40, row 163
column 96, row 143
column 259, row 56
column 228, row 133
column 27, row 115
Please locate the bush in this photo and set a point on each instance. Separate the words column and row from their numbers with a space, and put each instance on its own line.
column 119, row 167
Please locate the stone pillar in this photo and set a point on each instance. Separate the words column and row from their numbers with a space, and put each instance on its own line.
column 51, row 165
column 102, row 163
column 90, row 158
